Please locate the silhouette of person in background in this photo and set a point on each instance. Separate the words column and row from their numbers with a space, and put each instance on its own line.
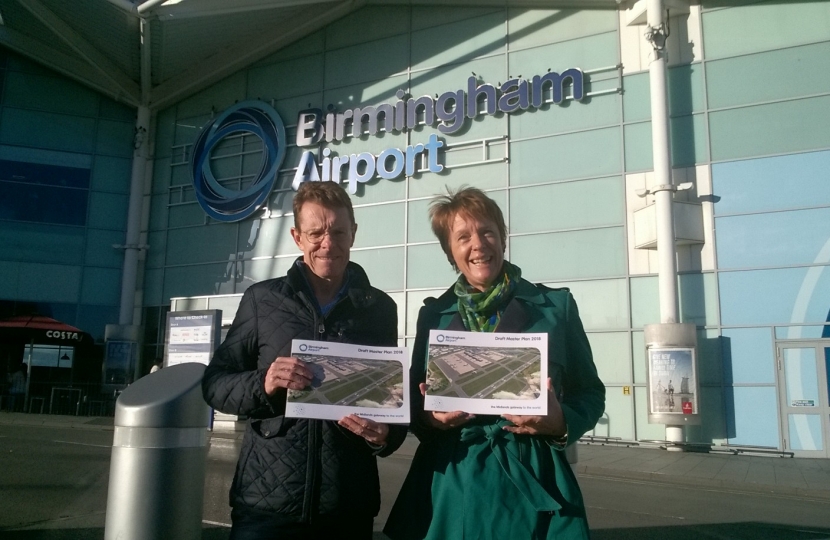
column 17, row 387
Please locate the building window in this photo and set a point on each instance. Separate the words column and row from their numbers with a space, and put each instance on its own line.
column 38, row 193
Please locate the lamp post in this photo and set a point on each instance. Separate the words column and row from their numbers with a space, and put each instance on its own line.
column 656, row 34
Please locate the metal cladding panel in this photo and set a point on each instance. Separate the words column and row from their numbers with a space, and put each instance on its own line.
column 155, row 494
column 168, row 398
column 18, row 19
column 190, row 36
column 189, row 41
column 112, row 31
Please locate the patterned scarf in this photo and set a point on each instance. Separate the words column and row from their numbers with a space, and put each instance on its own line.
column 481, row 311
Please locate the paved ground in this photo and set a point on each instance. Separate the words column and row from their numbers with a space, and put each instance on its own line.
column 763, row 474
column 55, row 468
column 767, row 474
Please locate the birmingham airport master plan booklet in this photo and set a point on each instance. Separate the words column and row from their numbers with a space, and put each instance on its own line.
column 487, row 373
column 371, row 382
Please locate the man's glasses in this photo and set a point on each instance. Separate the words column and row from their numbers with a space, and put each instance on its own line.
column 336, row 236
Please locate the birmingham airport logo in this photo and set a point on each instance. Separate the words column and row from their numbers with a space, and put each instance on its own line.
column 244, row 118
column 303, row 347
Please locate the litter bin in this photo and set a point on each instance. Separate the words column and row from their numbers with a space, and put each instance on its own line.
column 159, row 450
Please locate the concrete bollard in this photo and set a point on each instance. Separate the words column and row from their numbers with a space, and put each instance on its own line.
column 159, row 450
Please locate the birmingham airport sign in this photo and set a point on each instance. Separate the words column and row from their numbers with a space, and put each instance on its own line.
column 450, row 111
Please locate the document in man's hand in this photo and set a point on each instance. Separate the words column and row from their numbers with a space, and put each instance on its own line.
column 487, row 373
column 371, row 382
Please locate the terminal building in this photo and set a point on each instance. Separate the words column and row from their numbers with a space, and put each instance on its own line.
column 148, row 152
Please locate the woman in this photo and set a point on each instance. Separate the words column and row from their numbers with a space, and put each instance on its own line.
column 497, row 477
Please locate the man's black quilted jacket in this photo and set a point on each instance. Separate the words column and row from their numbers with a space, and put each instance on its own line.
column 299, row 469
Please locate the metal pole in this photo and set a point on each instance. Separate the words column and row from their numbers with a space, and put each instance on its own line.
column 27, row 407
column 132, row 247
column 662, row 164
column 159, row 452
column 656, row 34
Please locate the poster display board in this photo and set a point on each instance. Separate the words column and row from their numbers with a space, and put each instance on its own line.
column 191, row 336
column 120, row 361
column 371, row 382
column 672, row 385
column 672, row 381
column 487, row 373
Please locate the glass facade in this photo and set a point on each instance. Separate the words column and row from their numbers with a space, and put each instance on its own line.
column 65, row 158
column 749, row 114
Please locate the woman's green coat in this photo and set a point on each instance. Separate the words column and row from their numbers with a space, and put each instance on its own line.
column 479, row 482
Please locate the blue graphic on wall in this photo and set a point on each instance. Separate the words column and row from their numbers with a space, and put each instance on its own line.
column 246, row 117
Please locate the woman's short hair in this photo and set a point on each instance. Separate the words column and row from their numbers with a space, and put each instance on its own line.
column 328, row 194
column 469, row 202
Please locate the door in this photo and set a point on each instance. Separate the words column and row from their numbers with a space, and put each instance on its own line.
column 803, row 397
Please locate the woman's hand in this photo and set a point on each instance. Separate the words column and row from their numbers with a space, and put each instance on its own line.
column 288, row 373
column 374, row 432
column 444, row 420
column 553, row 424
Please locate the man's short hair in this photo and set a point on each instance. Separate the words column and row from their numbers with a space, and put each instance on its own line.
column 326, row 194
column 469, row 202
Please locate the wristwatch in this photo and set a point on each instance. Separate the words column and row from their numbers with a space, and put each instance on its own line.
column 557, row 441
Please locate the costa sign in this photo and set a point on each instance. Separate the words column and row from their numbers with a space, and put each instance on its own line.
column 58, row 334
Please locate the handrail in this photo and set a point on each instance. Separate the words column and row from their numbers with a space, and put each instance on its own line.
column 602, row 441
column 722, row 448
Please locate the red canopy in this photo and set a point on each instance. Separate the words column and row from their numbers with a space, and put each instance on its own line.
column 40, row 329
column 37, row 322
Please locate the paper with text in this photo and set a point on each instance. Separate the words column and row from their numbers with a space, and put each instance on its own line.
column 487, row 373
column 371, row 382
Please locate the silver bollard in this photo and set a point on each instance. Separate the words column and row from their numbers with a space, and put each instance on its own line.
column 159, row 450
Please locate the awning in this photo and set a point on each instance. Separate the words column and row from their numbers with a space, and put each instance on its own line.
column 40, row 329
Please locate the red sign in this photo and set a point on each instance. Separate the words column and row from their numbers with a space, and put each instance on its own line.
column 687, row 407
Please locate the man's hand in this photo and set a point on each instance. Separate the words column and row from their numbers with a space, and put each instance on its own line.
column 444, row 420
column 553, row 424
column 287, row 372
column 373, row 432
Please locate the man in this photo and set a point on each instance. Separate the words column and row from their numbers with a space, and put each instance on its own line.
column 301, row 478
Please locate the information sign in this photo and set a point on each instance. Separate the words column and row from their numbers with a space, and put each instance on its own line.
column 191, row 336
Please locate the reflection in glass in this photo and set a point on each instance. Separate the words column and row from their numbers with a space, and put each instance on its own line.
column 603, row 304
column 805, row 432
column 757, row 185
column 774, row 239
column 119, row 363
column 65, row 357
column 779, row 296
column 43, row 204
column 827, row 368
column 755, row 420
column 802, row 332
column 45, row 356
column 41, row 193
column 748, row 356
column 800, row 374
